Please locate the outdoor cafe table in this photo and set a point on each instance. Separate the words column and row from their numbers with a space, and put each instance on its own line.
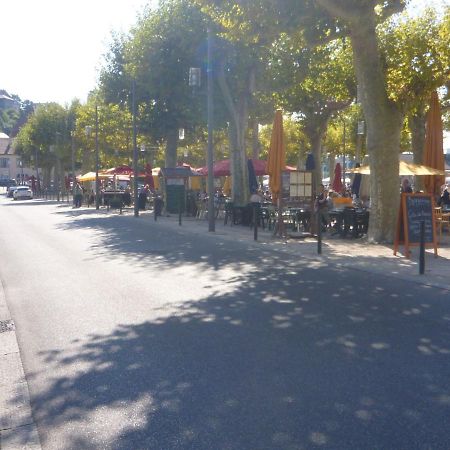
column 354, row 220
column 120, row 196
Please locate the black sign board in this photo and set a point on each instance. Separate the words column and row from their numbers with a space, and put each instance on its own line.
column 415, row 209
column 418, row 209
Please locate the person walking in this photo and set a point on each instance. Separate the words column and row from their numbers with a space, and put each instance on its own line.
column 78, row 194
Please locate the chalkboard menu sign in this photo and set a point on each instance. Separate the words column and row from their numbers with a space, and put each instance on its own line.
column 418, row 209
column 297, row 184
column 415, row 209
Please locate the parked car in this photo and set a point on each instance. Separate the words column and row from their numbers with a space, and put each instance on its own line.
column 10, row 191
column 22, row 192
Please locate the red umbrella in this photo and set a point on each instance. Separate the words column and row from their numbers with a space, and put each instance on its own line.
column 337, row 181
column 120, row 170
column 222, row 168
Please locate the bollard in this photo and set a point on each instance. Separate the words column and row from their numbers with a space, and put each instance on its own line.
column 255, row 222
column 422, row 248
column 179, row 213
column 319, row 234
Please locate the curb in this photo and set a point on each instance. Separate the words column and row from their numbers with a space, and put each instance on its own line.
column 17, row 427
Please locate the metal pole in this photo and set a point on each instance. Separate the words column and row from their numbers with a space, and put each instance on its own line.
column 135, row 149
column 97, row 162
column 37, row 170
column 343, row 159
column 211, row 215
column 319, row 233
column 255, row 222
column 73, row 170
column 422, row 248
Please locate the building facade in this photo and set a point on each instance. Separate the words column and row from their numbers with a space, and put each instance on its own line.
column 11, row 166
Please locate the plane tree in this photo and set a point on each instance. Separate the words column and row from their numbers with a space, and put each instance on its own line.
column 156, row 55
column 325, row 20
column 417, row 61
column 313, row 83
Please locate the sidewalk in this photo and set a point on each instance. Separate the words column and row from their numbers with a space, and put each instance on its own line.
column 17, row 428
column 356, row 254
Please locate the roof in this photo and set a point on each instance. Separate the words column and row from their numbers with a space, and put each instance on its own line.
column 5, row 97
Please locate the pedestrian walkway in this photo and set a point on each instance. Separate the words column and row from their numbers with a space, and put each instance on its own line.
column 356, row 254
column 17, row 427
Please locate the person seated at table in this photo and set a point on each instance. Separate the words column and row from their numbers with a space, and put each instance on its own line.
column 256, row 197
column 406, row 187
column 322, row 207
column 267, row 196
column 127, row 196
column 444, row 199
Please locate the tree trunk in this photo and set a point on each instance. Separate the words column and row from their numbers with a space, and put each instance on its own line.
column 238, row 129
column 240, row 191
column 316, row 150
column 171, row 148
column 384, row 122
column 417, row 125
column 256, row 145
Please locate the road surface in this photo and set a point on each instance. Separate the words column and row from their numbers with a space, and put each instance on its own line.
column 140, row 335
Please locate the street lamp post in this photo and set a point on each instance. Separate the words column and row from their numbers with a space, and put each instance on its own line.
column 37, row 169
column 211, row 215
column 97, row 162
column 72, row 143
column 343, row 157
column 194, row 81
column 135, row 149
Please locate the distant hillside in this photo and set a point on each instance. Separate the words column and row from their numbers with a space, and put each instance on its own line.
column 14, row 112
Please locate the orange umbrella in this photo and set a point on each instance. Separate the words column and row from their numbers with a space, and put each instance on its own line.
column 434, row 146
column 276, row 161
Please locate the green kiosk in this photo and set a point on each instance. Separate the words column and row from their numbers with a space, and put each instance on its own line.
column 174, row 183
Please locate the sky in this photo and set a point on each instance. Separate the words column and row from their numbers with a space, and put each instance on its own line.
column 51, row 50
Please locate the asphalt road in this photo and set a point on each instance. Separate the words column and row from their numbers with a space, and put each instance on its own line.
column 135, row 335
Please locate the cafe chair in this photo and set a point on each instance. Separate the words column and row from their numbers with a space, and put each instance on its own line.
column 442, row 221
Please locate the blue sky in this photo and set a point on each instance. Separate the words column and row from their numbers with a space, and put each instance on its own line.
column 52, row 49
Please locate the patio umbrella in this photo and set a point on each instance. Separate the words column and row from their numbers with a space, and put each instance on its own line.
column 252, row 181
column 222, row 168
column 434, row 146
column 276, row 160
column 227, row 186
column 120, row 170
column 337, row 185
column 405, row 169
column 148, row 179
column 90, row 176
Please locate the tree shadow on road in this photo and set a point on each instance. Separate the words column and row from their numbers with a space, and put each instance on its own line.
column 311, row 364
column 295, row 355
